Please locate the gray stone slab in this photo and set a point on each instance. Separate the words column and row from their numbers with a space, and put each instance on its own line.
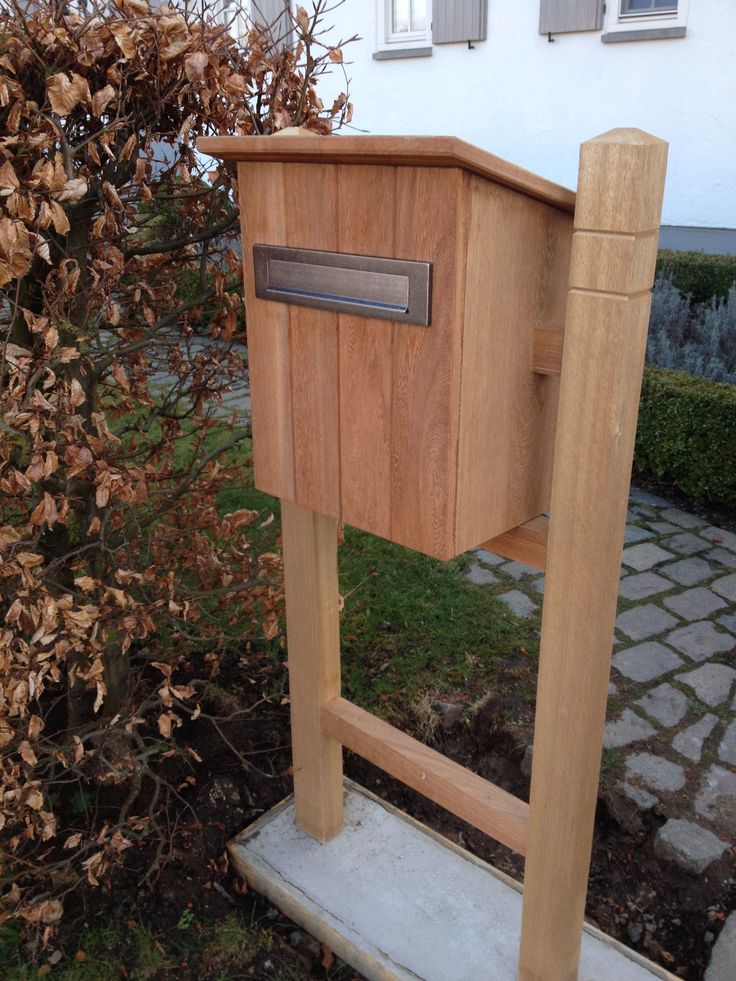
column 688, row 572
column 663, row 527
column 690, row 741
column 726, row 587
column 489, row 558
column 719, row 536
column 538, row 585
column 642, row 798
column 399, row 903
column 683, row 518
column 518, row 570
column 644, row 556
column 655, row 771
column 716, row 799
column 480, row 575
column 642, row 585
column 640, row 496
column 687, row 845
column 518, row 603
column 694, row 604
column 727, row 746
column 686, row 544
column 664, row 703
column 644, row 621
column 646, row 661
column 634, row 533
column 728, row 621
column 710, row 682
column 628, row 728
column 700, row 641
column 723, row 955
column 723, row 556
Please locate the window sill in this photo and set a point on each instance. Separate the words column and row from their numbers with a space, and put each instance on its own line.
column 644, row 34
column 388, row 54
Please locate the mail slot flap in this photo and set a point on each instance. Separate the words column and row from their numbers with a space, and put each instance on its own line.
column 398, row 290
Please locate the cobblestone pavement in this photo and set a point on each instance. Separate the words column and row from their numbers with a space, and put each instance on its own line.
column 671, row 730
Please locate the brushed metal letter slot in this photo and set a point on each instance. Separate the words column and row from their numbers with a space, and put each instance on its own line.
column 367, row 286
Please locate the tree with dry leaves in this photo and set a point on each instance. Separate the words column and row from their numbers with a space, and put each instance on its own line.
column 115, row 241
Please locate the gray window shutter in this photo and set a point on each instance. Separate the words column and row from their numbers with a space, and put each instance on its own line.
column 459, row 20
column 564, row 16
column 274, row 14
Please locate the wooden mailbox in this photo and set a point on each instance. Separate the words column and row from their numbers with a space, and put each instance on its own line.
column 444, row 347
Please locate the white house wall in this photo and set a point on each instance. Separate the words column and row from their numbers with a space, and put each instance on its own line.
column 533, row 102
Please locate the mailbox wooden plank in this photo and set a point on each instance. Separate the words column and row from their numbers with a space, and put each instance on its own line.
column 438, row 437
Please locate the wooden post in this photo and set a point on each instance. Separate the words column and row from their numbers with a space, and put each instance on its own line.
column 617, row 217
column 313, row 633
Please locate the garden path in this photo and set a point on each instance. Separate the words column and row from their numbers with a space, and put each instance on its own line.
column 671, row 729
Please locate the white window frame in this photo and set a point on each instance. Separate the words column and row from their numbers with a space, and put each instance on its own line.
column 386, row 40
column 617, row 23
column 240, row 23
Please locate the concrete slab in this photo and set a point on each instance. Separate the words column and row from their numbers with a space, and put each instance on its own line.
column 397, row 901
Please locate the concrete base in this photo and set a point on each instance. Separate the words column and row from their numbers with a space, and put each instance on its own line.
column 395, row 900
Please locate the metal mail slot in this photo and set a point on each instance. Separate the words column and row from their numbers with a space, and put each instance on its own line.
column 367, row 286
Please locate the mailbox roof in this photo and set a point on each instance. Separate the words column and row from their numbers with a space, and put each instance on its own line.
column 413, row 151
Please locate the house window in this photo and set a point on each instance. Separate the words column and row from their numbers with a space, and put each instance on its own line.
column 644, row 20
column 638, row 8
column 404, row 29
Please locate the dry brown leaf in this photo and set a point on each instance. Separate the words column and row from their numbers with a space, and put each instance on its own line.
column 66, row 92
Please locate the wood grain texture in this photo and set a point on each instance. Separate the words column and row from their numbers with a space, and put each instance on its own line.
column 431, row 212
column 311, row 192
column 313, row 636
column 516, row 279
column 485, row 806
column 263, row 218
column 621, row 177
column 405, row 151
column 526, row 543
column 547, row 351
column 367, row 216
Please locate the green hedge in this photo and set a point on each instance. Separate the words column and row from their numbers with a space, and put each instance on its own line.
column 687, row 434
column 702, row 276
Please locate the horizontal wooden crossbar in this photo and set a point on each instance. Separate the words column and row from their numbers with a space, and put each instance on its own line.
column 475, row 800
column 526, row 543
column 547, row 351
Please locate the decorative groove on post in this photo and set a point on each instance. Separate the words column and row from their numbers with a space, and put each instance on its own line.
column 621, row 181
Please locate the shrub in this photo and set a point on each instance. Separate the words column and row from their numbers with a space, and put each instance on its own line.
column 701, row 276
column 687, row 434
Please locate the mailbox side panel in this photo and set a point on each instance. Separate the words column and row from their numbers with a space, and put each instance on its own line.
column 263, row 218
column 517, row 277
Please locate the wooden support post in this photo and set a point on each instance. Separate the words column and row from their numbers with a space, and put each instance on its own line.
column 313, row 633
column 617, row 216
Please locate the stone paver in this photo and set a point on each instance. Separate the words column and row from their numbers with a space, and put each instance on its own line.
column 694, row 604
column 728, row 621
column 518, row 603
column 688, row 845
column 490, row 558
column 664, row 703
column 633, row 533
column 711, row 682
column 642, row 585
column 723, row 556
column 688, row 572
column 716, row 799
column 640, row 496
column 726, row 587
column 727, row 746
column 723, row 955
column 700, row 641
column 646, row 661
column 683, row 519
column 644, row 621
column 642, row 798
column 690, row 741
column 645, row 556
column 478, row 574
column 628, row 728
column 538, row 585
column 517, row 570
column 686, row 544
column 655, row 771
column 719, row 536
column 663, row 527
